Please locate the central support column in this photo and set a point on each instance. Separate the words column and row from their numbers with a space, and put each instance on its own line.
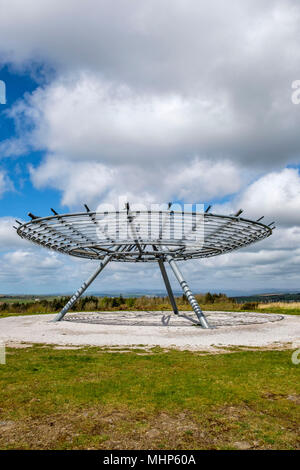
column 81, row 290
column 168, row 286
column 187, row 291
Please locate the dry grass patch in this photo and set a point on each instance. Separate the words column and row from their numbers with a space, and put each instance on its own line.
column 91, row 398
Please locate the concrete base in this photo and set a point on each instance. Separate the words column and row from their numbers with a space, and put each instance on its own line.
column 155, row 329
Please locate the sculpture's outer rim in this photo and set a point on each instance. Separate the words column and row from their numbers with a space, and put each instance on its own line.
column 222, row 242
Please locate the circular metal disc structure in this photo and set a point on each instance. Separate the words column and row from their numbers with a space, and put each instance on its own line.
column 141, row 236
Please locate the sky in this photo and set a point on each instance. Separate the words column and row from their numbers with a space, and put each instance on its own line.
column 151, row 101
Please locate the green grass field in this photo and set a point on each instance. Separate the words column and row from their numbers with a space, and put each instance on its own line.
column 97, row 398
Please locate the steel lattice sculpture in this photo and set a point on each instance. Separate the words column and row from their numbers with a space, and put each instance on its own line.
column 143, row 236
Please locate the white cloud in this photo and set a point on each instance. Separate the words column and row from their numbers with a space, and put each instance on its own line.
column 159, row 101
column 93, row 182
column 84, row 117
column 274, row 263
column 39, row 271
column 192, row 107
column 13, row 146
column 151, row 44
column 104, row 139
column 23, row 260
column 8, row 236
column 152, row 84
column 23, row 265
column 284, row 239
column 204, row 180
column 5, row 183
column 245, row 270
column 276, row 195
column 79, row 182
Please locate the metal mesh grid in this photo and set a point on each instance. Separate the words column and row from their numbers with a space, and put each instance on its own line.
column 143, row 235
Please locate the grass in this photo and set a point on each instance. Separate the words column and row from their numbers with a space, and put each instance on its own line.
column 148, row 399
column 288, row 308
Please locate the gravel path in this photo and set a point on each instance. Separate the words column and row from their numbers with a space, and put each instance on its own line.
column 155, row 329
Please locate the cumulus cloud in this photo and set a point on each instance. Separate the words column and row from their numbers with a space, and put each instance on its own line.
column 157, row 101
column 5, row 183
column 20, row 266
column 161, row 86
column 275, row 195
column 175, row 45
column 274, row 263
column 262, row 269
column 84, row 117
column 8, row 237
column 79, row 182
column 13, row 146
column 93, row 182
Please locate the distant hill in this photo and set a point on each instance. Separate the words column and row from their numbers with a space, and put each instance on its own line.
column 257, row 297
column 269, row 297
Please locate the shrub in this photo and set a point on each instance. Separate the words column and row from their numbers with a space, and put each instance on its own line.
column 249, row 306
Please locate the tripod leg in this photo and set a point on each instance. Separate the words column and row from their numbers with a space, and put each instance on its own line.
column 188, row 293
column 168, row 286
column 80, row 291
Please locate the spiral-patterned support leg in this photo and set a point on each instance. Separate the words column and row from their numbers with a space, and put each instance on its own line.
column 80, row 291
column 188, row 293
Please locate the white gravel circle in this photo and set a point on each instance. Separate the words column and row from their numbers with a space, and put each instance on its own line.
column 155, row 329
column 161, row 318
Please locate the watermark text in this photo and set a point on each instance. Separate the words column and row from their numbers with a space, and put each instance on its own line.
column 2, row 354
column 295, row 97
column 2, row 92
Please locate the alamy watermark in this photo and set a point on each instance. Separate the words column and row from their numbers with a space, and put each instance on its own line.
column 296, row 355
column 2, row 92
column 295, row 97
column 137, row 222
column 2, row 354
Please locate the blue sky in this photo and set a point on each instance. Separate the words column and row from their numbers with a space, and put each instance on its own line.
column 23, row 197
column 198, row 109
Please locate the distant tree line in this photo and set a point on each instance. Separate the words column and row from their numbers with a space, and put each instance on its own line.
column 93, row 303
